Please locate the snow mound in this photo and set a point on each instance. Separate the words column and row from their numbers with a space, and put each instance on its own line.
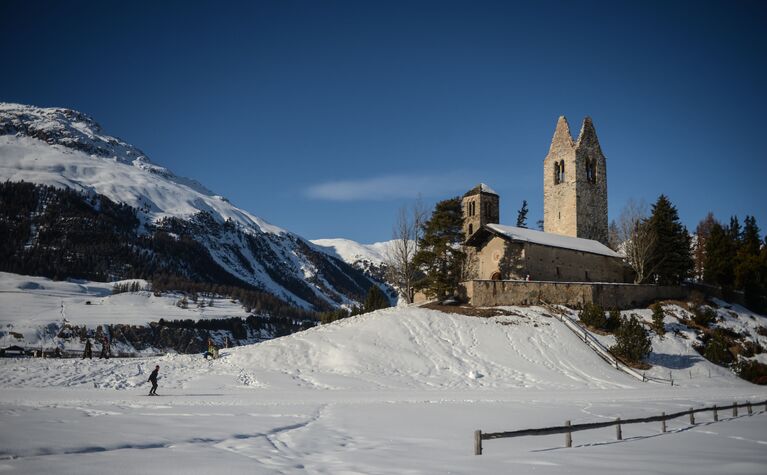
column 420, row 348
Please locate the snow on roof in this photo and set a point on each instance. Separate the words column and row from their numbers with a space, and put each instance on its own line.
column 553, row 240
column 481, row 188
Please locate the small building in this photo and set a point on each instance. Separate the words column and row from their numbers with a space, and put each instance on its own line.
column 511, row 253
column 12, row 351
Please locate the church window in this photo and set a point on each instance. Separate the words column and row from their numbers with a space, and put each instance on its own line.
column 561, row 171
column 556, row 173
column 591, row 171
column 471, row 229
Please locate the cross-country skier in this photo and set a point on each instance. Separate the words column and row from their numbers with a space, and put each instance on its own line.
column 88, row 353
column 153, row 379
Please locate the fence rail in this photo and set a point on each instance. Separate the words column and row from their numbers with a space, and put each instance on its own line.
column 569, row 428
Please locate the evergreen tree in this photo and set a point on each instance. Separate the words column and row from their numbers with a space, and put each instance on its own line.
column 439, row 252
column 702, row 232
column 720, row 258
column 750, row 241
column 375, row 300
column 522, row 215
column 734, row 231
column 750, row 269
column 631, row 340
column 657, row 319
column 670, row 258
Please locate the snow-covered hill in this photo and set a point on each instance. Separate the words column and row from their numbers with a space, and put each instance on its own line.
column 394, row 391
column 67, row 149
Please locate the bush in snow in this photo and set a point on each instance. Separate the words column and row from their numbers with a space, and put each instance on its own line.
column 593, row 315
column 613, row 320
column 753, row 371
column 631, row 340
column 704, row 316
column 657, row 319
column 717, row 349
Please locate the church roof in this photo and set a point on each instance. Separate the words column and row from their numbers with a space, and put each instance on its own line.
column 481, row 188
column 550, row 239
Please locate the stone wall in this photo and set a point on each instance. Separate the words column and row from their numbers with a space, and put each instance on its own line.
column 490, row 293
column 516, row 260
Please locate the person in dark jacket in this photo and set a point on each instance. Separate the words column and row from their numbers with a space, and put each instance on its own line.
column 153, row 379
column 106, row 351
column 88, row 353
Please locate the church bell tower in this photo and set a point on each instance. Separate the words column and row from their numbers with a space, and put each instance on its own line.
column 575, row 184
column 480, row 206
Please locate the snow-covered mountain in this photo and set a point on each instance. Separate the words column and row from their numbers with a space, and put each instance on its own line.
column 63, row 148
column 371, row 259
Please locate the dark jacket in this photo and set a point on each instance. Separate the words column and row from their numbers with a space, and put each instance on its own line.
column 153, row 376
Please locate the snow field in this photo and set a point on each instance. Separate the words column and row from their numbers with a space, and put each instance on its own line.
column 397, row 391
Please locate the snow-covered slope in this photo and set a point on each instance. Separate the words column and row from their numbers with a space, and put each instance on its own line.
column 394, row 391
column 352, row 252
column 371, row 259
column 64, row 148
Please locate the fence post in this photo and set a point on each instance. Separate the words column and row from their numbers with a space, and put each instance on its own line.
column 568, row 436
column 716, row 414
column 663, row 423
column 748, row 406
column 734, row 409
column 692, row 417
column 477, row 442
column 618, row 432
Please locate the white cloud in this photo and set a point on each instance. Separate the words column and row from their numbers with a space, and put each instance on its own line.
column 391, row 187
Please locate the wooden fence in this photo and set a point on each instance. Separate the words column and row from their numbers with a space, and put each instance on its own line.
column 568, row 428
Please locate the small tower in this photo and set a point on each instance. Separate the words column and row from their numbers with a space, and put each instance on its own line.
column 480, row 207
column 575, row 184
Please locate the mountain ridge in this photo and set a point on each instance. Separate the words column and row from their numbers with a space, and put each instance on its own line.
column 67, row 149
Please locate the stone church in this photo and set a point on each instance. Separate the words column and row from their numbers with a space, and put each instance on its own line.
column 572, row 247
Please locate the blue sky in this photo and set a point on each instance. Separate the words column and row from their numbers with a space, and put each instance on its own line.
column 324, row 117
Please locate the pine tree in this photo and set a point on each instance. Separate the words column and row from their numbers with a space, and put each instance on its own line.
column 671, row 258
column 375, row 300
column 522, row 215
column 750, row 269
column 439, row 252
column 702, row 232
column 631, row 340
column 657, row 319
column 720, row 257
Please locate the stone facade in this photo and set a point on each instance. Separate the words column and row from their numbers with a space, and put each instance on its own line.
column 575, row 184
column 480, row 207
column 489, row 293
column 498, row 258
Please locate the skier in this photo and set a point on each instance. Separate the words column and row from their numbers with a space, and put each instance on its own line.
column 106, row 351
column 212, row 351
column 153, row 380
column 88, row 353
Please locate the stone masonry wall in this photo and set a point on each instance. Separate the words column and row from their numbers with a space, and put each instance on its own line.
column 489, row 293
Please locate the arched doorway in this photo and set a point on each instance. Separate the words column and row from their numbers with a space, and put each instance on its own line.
column 495, row 276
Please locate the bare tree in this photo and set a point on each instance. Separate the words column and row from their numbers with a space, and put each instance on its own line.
column 401, row 270
column 637, row 239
